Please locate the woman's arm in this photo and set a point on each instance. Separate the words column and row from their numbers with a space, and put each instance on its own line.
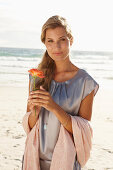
column 32, row 118
column 43, row 98
column 85, row 112
column 86, row 105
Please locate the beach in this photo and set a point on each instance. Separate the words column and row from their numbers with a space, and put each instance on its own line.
column 13, row 102
column 14, row 79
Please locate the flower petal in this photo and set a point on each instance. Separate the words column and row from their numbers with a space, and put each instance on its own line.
column 36, row 72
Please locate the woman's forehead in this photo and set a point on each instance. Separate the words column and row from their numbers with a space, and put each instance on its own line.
column 55, row 32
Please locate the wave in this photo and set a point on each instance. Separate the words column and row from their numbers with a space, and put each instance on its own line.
column 14, row 58
column 14, row 63
column 18, row 52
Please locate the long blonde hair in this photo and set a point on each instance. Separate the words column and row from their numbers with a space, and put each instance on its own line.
column 47, row 65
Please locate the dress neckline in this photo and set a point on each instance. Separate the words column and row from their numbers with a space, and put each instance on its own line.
column 57, row 82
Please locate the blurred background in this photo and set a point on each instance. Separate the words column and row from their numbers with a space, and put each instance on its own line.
column 21, row 49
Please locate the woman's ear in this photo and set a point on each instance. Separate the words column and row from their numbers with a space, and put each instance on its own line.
column 71, row 41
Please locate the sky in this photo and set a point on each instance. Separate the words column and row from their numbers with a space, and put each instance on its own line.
column 90, row 20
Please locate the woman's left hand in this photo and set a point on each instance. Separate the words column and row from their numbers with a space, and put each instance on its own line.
column 44, row 99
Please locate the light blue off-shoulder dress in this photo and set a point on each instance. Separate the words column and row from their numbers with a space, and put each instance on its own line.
column 68, row 95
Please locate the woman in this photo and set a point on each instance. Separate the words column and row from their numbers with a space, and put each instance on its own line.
column 65, row 91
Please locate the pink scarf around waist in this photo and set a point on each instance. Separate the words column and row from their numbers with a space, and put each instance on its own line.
column 65, row 149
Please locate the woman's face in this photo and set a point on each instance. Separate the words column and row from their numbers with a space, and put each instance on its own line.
column 57, row 43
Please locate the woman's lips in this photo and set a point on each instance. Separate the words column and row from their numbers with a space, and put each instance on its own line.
column 57, row 53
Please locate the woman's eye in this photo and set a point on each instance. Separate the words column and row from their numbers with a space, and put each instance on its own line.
column 63, row 39
column 50, row 41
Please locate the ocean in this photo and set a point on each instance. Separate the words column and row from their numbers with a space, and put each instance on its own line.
column 15, row 63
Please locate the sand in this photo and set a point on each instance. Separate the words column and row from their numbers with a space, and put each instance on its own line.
column 13, row 102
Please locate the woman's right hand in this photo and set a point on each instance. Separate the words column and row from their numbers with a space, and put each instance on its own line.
column 31, row 106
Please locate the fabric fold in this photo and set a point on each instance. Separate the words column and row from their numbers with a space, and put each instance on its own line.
column 65, row 149
column 25, row 123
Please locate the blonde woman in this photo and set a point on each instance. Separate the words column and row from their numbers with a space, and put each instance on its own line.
column 65, row 91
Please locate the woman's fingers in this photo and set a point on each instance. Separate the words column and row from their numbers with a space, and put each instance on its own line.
column 37, row 96
column 39, row 92
column 35, row 100
column 32, row 104
column 29, row 100
column 39, row 100
column 42, row 88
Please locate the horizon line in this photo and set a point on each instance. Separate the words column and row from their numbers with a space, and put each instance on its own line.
column 97, row 51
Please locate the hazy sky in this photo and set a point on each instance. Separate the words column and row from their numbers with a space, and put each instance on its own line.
column 90, row 20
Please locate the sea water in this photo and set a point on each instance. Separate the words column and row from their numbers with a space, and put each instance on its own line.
column 15, row 63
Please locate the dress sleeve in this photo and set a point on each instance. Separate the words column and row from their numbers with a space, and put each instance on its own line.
column 25, row 123
column 89, row 85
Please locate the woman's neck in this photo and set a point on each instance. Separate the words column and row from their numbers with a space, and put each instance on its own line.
column 64, row 66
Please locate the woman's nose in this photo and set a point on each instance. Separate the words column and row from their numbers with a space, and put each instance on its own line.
column 57, row 45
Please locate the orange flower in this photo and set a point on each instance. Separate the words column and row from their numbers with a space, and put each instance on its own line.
column 36, row 72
